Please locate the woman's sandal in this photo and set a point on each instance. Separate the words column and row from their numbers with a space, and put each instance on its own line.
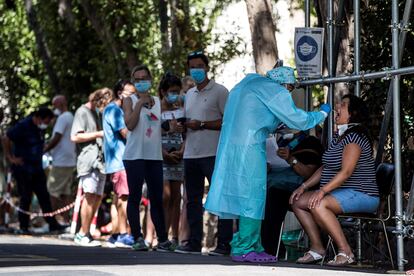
column 345, row 260
column 106, row 229
column 254, row 257
column 310, row 257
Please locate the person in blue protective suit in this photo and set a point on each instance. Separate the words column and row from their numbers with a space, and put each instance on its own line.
column 256, row 106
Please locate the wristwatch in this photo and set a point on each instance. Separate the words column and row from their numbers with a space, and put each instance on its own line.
column 202, row 125
column 294, row 162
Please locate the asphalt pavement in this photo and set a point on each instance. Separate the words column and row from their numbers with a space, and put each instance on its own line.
column 48, row 255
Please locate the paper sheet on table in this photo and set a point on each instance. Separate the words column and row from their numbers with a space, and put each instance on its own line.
column 271, row 156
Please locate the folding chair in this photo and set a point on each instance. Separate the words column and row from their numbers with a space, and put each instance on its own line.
column 298, row 240
column 385, row 181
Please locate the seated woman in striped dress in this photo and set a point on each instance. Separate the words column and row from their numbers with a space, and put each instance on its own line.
column 347, row 183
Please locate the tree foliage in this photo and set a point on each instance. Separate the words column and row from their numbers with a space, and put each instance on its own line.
column 376, row 54
column 20, row 69
column 92, row 43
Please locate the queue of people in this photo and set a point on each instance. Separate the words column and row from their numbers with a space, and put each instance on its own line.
column 172, row 142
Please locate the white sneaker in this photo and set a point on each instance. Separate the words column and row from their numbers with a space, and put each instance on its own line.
column 111, row 242
column 40, row 230
column 86, row 240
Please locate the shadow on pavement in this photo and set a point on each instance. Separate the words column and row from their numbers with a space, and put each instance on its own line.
column 39, row 254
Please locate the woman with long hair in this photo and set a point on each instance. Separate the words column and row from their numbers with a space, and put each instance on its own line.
column 347, row 183
column 143, row 157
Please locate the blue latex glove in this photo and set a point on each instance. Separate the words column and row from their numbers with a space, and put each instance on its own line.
column 325, row 109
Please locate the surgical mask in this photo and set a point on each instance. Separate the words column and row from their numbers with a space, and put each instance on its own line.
column 57, row 111
column 182, row 98
column 143, row 86
column 42, row 126
column 172, row 98
column 198, row 74
column 344, row 127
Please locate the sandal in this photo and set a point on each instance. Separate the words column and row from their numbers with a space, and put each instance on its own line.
column 106, row 229
column 310, row 257
column 346, row 260
column 255, row 257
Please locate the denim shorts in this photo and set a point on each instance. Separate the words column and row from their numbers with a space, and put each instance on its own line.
column 352, row 201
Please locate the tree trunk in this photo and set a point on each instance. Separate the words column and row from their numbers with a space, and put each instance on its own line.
column 42, row 45
column 176, row 26
column 65, row 12
column 180, row 32
column 164, row 19
column 127, row 40
column 263, row 31
column 104, row 34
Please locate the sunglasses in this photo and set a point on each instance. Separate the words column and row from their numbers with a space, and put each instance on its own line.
column 195, row 53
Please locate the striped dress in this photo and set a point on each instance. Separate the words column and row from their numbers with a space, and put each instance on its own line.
column 363, row 177
column 172, row 142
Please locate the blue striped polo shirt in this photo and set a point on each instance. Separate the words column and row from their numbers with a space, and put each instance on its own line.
column 363, row 177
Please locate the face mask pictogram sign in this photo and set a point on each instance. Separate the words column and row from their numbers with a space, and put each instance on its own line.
column 308, row 52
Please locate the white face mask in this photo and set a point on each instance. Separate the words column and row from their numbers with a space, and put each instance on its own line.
column 42, row 126
column 344, row 127
column 57, row 111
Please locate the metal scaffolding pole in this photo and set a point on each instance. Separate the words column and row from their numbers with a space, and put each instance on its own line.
column 357, row 92
column 398, row 44
column 388, row 105
column 308, row 91
column 339, row 24
column 357, row 45
column 397, row 138
column 331, row 71
column 386, row 73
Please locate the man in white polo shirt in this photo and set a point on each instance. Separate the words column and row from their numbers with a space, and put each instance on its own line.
column 204, row 109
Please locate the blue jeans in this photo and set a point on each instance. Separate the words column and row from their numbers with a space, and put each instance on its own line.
column 352, row 201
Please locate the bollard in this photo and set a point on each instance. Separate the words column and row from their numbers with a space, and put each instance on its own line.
column 93, row 223
column 76, row 209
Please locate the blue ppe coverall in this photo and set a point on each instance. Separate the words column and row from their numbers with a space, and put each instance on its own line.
column 255, row 107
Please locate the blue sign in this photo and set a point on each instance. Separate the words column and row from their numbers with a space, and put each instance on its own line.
column 307, row 48
column 309, row 52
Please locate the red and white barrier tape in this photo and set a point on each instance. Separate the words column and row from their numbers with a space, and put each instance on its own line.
column 33, row 214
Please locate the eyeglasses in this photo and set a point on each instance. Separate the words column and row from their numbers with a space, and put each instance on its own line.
column 290, row 86
column 196, row 53
column 133, row 80
column 140, row 77
column 128, row 91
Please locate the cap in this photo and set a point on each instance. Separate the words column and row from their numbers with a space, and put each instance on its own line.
column 282, row 75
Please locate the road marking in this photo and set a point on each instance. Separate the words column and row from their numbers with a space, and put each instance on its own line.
column 25, row 258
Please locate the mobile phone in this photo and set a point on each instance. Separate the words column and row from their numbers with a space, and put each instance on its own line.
column 182, row 120
column 165, row 126
column 285, row 139
column 298, row 138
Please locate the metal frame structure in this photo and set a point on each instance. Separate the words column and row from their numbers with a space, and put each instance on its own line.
column 403, row 221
